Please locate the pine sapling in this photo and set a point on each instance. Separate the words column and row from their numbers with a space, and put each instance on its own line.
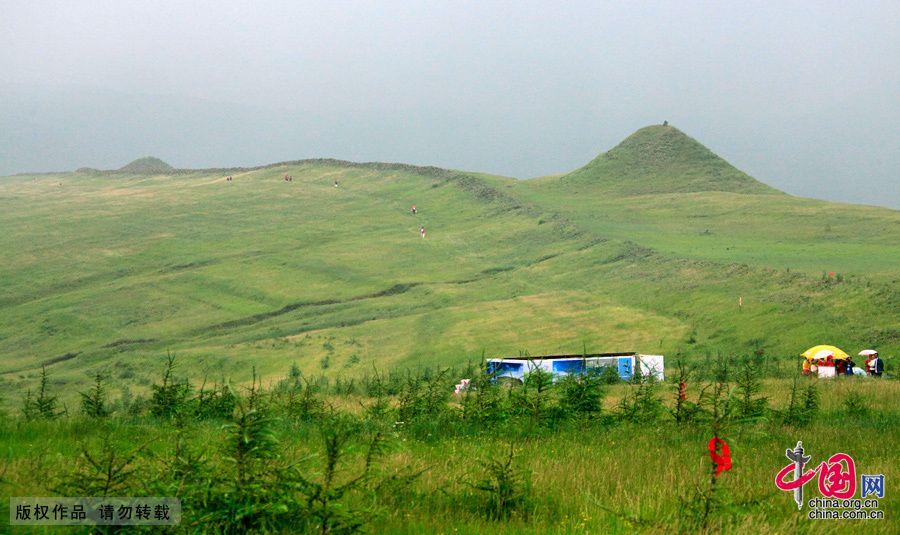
column 506, row 487
column 45, row 405
column 750, row 404
column 93, row 402
column 169, row 400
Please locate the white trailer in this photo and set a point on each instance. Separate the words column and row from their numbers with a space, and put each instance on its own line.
column 516, row 368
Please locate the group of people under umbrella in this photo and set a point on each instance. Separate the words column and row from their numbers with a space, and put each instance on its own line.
column 829, row 361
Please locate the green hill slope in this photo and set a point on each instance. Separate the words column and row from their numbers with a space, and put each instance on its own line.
column 662, row 159
column 148, row 165
column 107, row 275
column 668, row 192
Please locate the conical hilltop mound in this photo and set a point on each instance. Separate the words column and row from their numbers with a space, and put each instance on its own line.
column 662, row 159
column 147, row 165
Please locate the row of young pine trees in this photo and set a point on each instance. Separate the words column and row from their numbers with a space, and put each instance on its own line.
column 245, row 480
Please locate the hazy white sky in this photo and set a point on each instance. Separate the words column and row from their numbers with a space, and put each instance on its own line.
column 804, row 96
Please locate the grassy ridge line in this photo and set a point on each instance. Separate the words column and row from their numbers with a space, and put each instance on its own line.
column 475, row 183
column 472, row 182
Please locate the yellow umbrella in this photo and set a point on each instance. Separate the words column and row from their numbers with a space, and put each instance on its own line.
column 836, row 351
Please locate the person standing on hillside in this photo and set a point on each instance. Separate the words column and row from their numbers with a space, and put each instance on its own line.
column 422, row 232
column 876, row 365
column 414, row 212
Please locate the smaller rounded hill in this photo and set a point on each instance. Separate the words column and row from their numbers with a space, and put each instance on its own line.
column 147, row 165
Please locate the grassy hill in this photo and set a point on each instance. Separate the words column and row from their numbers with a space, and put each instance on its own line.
column 147, row 165
column 665, row 191
column 648, row 248
column 662, row 159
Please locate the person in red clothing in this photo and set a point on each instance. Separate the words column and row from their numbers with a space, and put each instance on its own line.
column 868, row 366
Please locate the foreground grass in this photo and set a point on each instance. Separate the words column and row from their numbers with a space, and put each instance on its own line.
column 588, row 473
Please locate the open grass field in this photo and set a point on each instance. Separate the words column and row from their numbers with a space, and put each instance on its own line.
column 648, row 248
column 106, row 272
column 596, row 472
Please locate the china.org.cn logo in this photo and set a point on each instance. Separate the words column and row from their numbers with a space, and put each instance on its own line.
column 837, row 484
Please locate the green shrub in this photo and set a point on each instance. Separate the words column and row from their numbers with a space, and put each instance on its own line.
column 857, row 406
column 45, row 405
column 483, row 402
column 423, row 396
column 505, row 487
column 683, row 409
column 533, row 399
column 610, row 375
column 344, row 387
column 247, row 494
column 169, row 400
column 581, row 393
column 810, row 402
column 641, row 402
column 749, row 403
column 716, row 401
column 251, row 442
column 219, row 402
column 325, row 500
column 107, row 472
column 302, row 402
column 93, row 402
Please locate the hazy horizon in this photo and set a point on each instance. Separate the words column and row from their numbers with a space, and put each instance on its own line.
column 801, row 96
